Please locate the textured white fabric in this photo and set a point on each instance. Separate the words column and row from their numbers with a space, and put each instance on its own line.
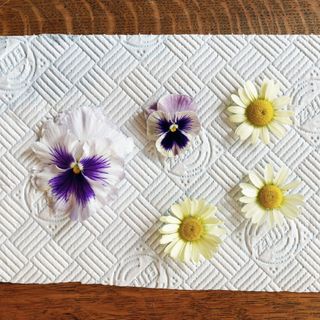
column 43, row 75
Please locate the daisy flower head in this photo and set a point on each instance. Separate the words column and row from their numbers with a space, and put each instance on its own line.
column 191, row 230
column 172, row 123
column 81, row 157
column 258, row 113
column 266, row 198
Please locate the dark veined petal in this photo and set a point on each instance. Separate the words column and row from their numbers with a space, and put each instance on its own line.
column 174, row 138
column 184, row 123
column 95, row 168
column 61, row 157
column 67, row 183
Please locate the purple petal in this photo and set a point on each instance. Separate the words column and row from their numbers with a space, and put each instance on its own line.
column 184, row 123
column 95, row 167
column 176, row 103
column 172, row 139
column 61, row 157
column 67, row 183
column 164, row 125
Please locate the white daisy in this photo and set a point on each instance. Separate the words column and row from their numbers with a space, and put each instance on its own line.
column 257, row 113
column 191, row 231
column 266, row 198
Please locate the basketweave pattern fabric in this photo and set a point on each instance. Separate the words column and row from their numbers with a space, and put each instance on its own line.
column 41, row 76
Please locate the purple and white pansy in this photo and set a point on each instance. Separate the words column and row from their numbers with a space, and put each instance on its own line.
column 173, row 123
column 82, row 159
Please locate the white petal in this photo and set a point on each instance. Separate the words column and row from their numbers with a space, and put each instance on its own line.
column 265, row 136
column 237, row 118
column 187, row 252
column 243, row 96
column 244, row 130
column 291, row 214
column 169, row 228
column 294, row 199
column 249, row 190
column 284, row 113
column 247, row 199
column 250, row 91
column 281, row 102
column 256, row 179
column 257, row 216
column 281, row 176
column 272, row 90
column 292, row 185
column 166, row 238
column 255, row 135
column 176, row 209
column 237, row 101
column 195, row 123
column 277, row 129
column 169, row 219
column 283, row 120
column 263, row 89
column 237, row 110
column 177, row 248
column 268, row 174
column 250, row 207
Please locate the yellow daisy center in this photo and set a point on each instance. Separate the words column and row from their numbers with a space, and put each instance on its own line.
column 76, row 168
column 173, row 127
column 191, row 229
column 260, row 112
column 270, row 196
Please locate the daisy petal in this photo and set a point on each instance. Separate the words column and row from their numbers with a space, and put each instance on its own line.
column 255, row 135
column 243, row 96
column 249, row 190
column 237, row 118
column 250, row 91
column 268, row 174
column 244, row 130
column 237, row 110
column 282, row 176
column 292, row 185
column 169, row 219
column 281, row 102
column 247, row 199
column 265, row 136
column 256, row 179
column 166, row 238
column 277, row 129
column 237, row 100
column 169, row 228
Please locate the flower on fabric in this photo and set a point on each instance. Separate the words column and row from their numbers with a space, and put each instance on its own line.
column 267, row 199
column 173, row 123
column 81, row 162
column 258, row 113
column 191, row 231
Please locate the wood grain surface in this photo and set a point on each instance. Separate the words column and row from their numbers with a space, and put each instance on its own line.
column 95, row 302
column 75, row 301
column 159, row 16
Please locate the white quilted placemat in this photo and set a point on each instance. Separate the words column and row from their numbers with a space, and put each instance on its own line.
column 43, row 75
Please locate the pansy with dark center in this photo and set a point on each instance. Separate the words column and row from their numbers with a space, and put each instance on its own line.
column 173, row 123
column 75, row 176
column 173, row 131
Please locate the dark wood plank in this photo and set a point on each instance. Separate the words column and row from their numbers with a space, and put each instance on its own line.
column 155, row 16
column 75, row 301
column 85, row 302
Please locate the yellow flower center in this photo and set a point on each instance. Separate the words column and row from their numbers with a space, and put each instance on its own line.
column 76, row 168
column 270, row 196
column 191, row 229
column 173, row 127
column 260, row 112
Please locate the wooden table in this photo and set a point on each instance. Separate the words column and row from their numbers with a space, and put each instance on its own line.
column 75, row 301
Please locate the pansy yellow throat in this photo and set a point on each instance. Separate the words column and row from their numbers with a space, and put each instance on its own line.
column 258, row 113
column 191, row 230
column 266, row 198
